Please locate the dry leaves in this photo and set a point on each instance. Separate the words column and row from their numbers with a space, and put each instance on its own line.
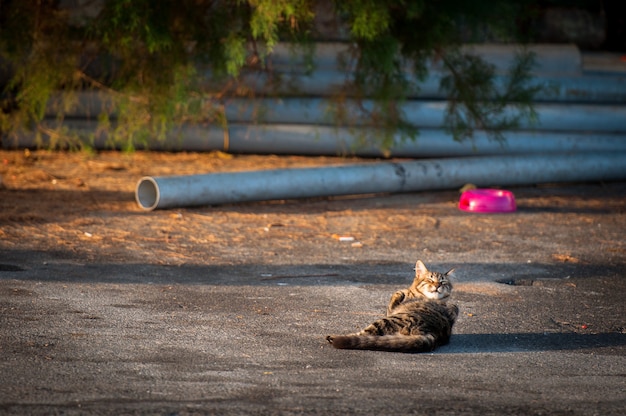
column 565, row 258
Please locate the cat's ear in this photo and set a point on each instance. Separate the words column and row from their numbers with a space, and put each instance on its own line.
column 449, row 272
column 420, row 268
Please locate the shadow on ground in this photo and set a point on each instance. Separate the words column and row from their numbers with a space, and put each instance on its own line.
column 521, row 342
column 62, row 266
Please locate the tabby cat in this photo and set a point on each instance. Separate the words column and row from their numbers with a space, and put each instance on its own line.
column 418, row 318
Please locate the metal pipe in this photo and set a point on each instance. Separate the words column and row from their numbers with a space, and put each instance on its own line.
column 304, row 139
column 386, row 177
column 422, row 113
column 561, row 59
column 587, row 88
column 288, row 139
column 425, row 113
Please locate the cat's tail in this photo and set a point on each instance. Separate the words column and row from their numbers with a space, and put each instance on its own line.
column 394, row 343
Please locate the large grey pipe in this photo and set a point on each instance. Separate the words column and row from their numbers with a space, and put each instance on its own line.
column 386, row 177
column 322, row 140
column 307, row 139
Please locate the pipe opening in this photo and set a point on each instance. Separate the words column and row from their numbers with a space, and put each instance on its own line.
column 147, row 194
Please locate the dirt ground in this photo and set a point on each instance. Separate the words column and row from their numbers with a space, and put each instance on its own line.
column 109, row 309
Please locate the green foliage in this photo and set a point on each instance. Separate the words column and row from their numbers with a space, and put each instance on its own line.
column 270, row 18
column 369, row 19
column 476, row 102
column 41, row 61
column 415, row 33
column 159, row 64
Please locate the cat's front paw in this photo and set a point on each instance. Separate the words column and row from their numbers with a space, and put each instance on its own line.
column 330, row 339
column 396, row 299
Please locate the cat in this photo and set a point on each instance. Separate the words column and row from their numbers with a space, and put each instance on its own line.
column 418, row 318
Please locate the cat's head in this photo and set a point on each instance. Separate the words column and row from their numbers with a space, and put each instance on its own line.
column 433, row 285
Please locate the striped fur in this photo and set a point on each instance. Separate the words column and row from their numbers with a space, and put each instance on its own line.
column 426, row 284
column 415, row 321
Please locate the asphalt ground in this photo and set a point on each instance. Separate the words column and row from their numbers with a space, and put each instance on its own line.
column 161, row 322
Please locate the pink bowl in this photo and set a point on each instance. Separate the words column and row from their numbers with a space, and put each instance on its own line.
column 487, row 201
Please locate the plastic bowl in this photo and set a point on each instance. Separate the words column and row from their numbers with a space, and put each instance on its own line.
column 487, row 201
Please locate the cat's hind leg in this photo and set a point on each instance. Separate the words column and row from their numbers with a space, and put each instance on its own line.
column 384, row 326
